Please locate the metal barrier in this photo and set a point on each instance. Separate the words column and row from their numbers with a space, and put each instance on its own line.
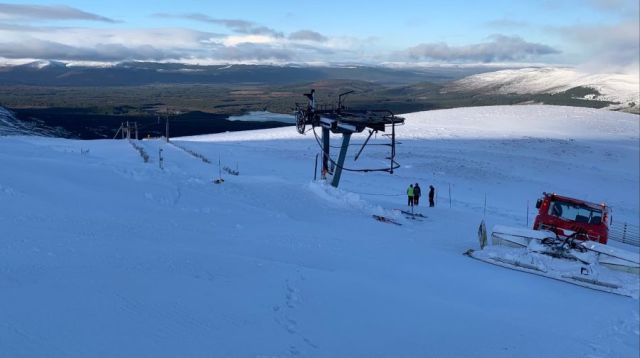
column 625, row 233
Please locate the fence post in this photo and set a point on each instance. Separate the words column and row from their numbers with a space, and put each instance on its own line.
column 450, row 196
column 624, row 232
column 484, row 213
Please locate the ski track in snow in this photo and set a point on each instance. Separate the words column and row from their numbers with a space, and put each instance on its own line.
column 102, row 254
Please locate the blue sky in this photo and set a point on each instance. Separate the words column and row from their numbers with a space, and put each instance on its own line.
column 600, row 32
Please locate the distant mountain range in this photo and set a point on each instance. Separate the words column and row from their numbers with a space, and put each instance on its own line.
column 56, row 99
column 52, row 73
column 619, row 92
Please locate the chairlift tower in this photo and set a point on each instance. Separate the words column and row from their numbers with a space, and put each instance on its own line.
column 345, row 121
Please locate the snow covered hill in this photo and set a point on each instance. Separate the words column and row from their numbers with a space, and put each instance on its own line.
column 621, row 88
column 9, row 125
column 104, row 254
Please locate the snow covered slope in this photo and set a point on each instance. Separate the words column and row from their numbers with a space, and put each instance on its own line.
column 102, row 254
column 9, row 125
column 622, row 88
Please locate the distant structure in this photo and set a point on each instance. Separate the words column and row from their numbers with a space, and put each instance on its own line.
column 346, row 121
column 127, row 129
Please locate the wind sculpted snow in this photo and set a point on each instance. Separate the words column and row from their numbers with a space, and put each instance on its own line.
column 102, row 254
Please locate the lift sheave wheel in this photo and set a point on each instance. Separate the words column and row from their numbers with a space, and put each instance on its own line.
column 300, row 121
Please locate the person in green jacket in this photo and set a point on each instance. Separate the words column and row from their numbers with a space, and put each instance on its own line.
column 410, row 194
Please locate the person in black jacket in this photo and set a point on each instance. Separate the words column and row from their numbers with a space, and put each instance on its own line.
column 416, row 194
column 432, row 192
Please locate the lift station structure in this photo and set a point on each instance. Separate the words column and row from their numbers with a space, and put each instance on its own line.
column 341, row 120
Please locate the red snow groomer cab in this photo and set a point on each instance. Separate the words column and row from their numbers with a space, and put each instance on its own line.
column 565, row 216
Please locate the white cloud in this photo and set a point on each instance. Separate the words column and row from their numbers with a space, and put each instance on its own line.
column 20, row 41
column 236, row 25
column 84, row 44
column 235, row 40
column 499, row 48
column 611, row 47
column 307, row 35
column 11, row 12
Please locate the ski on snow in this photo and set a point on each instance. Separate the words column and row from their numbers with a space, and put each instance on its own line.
column 385, row 219
column 410, row 215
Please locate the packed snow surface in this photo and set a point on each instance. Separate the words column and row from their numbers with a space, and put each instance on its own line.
column 105, row 255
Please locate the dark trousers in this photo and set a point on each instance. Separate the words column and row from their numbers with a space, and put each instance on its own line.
column 410, row 202
column 431, row 203
column 416, row 199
